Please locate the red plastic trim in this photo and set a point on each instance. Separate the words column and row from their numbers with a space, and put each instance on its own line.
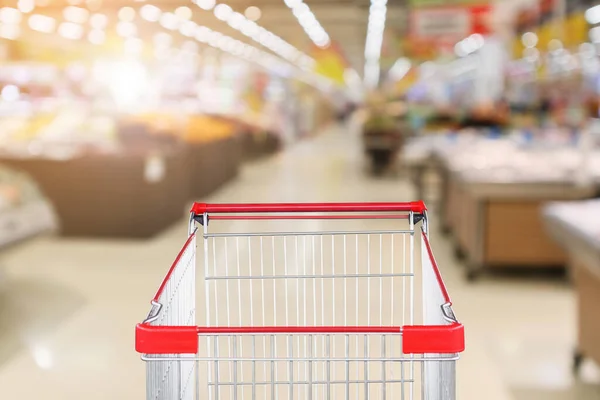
column 166, row 339
column 168, row 276
column 297, row 329
column 440, row 339
column 414, row 206
column 436, row 270
column 305, row 217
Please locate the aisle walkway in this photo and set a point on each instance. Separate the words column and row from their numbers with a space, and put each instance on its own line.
column 68, row 307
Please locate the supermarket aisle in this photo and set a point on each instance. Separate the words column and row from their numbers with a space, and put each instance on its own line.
column 69, row 307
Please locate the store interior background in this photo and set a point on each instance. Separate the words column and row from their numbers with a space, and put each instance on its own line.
column 115, row 115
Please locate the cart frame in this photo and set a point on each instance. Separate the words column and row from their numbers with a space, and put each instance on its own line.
column 176, row 349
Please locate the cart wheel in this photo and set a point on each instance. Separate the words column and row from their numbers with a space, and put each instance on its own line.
column 578, row 359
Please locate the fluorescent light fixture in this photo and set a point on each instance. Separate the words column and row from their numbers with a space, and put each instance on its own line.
column 96, row 36
column 10, row 31
column 150, row 13
column 42, row 23
column 236, row 20
column 98, row 21
column 126, row 14
column 203, row 34
column 206, row 4
column 10, row 15
column 222, row 11
column 188, row 28
column 126, row 29
column 26, row 6
column 183, row 13
column 169, row 21
column 70, row 30
column 77, row 15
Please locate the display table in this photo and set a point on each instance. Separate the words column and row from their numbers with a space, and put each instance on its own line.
column 212, row 164
column 576, row 227
column 128, row 194
column 492, row 204
column 499, row 224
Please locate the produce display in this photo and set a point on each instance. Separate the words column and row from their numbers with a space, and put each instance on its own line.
column 512, row 158
column 578, row 218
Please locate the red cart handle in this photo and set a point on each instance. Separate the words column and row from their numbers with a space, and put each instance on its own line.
column 413, row 206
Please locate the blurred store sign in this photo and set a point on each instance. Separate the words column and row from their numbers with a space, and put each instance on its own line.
column 435, row 30
column 330, row 62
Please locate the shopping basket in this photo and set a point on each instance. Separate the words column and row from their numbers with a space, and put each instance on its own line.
column 316, row 313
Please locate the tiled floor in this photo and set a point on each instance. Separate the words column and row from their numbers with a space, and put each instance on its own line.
column 68, row 307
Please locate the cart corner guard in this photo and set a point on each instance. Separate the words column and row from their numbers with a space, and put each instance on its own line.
column 441, row 339
column 151, row 339
column 418, row 207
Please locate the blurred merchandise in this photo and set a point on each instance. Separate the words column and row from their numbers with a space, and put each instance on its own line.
column 574, row 227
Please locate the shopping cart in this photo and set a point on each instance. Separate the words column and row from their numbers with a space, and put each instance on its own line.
column 310, row 314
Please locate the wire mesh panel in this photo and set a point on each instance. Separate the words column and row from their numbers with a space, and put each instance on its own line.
column 174, row 305
column 309, row 314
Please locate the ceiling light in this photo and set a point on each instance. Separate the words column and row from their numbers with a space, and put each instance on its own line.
column 70, row 30
column 10, row 31
column 236, row 20
column 203, row 34
column 126, row 29
column 98, row 21
column 206, row 4
column 169, row 21
column 292, row 3
column 126, row 14
column 92, row 5
column 150, row 13
column 26, row 6
column 213, row 38
column 300, row 9
column 96, row 36
column 249, row 28
column 74, row 14
column 183, row 13
column 10, row 15
column 223, row 11
column 42, row 23
column 188, row 28
column 253, row 13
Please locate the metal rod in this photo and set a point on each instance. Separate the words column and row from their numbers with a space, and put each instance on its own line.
column 321, row 233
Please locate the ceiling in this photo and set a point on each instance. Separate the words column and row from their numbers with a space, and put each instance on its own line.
column 345, row 21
